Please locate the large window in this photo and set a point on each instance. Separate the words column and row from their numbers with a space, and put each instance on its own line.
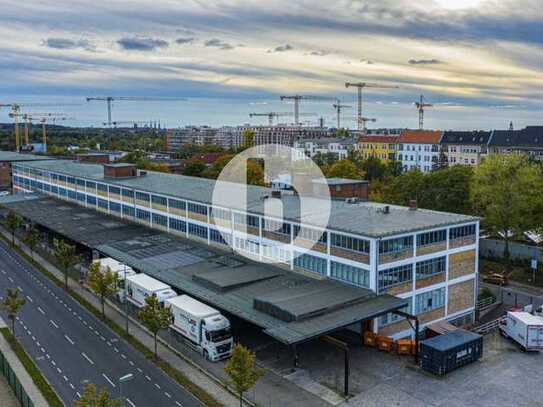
column 277, row 227
column 197, row 230
column 160, row 220
column 102, row 203
column 430, row 267
column 114, row 190
column 429, row 301
column 102, row 188
column 115, row 207
column 143, row 215
column 91, row 200
column 350, row 274
column 428, row 238
column 128, row 211
column 462, row 231
column 217, row 237
column 315, row 235
column 141, row 196
column 390, row 318
column 396, row 245
column 159, row 200
column 91, row 186
column 350, row 243
column 196, row 208
column 310, row 263
column 80, row 197
column 179, row 225
column 128, row 193
column 395, row 275
column 243, row 219
column 179, row 205
column 220, row 213
column 80, row 182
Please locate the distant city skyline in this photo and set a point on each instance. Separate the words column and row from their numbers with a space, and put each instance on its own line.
column 479, row 61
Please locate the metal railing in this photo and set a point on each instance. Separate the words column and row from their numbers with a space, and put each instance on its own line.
column 489, row 326
column 485, row 303
column 14, row 383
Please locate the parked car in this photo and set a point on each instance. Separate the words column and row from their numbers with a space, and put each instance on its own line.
column 496, row 278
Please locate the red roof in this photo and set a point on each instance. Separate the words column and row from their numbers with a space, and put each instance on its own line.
column 420, row 136
column 378, row 139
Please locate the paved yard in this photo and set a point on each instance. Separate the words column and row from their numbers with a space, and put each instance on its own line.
column 504, row 377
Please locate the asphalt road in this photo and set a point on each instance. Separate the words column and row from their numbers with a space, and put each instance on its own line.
column 72, row 347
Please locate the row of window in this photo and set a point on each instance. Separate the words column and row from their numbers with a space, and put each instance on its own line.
column 350, row 274
column 310, row 263
column 402, row 274
column 395, row 245
column 424, row 302
column 429, row 238
column 350, row 243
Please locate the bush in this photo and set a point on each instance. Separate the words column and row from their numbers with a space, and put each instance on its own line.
column 485, row 293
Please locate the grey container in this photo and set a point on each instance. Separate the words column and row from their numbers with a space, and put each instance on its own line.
column 445, row 353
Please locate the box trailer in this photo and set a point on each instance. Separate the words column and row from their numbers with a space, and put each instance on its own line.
column 118, row 268
column 445, row 353
column 524, row 328
column 202, row 325
column 141, row 286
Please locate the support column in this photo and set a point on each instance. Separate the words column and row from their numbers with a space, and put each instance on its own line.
column 296, row 360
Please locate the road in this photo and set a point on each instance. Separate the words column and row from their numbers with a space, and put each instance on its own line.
column 72, row 347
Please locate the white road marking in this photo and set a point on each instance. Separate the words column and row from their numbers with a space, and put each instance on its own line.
column 167, row 395
column 157, row 386
column 42, row 311
column 109, row 380
column 78, row 394
column 130, row 402
column 72, row 386
column 10, row 279
column 88, row 359
column 147, row 377
column 69, row 340
column 178, row 403
column 53, row 323
column 29, row 298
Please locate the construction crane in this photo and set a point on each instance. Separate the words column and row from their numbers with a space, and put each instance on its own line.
column 339, row 107
column 117, row 123
column 421, row 106
column 27, row 118
column 109, row 100
column 43, row 122
column 359, row 86
column 297, row 99
column 272, row 115
column 365, row 120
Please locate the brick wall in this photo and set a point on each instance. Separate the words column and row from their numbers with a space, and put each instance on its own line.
column 399, row 289
column 461, row 264
column 5, row 175
column 428, row 281
column 431, row 315
column 431, row 248
column 461, row 296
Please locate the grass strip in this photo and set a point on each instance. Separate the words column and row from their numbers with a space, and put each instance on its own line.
column 198, row 392
column 45, row 388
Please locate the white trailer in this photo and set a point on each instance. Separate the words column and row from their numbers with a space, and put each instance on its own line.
column 524, row 328
column 118, row 268
column 141, row 286
column 203, row 326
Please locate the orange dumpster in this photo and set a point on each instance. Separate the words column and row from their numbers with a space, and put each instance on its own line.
column 384, row 343
column 404, row 346
column 369, row 338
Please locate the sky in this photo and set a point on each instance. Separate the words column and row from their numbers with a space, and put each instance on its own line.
column 479, row 62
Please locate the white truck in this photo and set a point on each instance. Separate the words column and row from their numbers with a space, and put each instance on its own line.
column 118, row 268
column 203, row 326
column 524, row 328
column 141, row 286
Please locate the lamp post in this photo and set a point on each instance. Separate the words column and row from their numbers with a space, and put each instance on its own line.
column 124, row 379
column 125, row 301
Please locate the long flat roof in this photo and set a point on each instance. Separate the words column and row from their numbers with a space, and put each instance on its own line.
column 14, row 157
column 362, row 218
column 288, row 306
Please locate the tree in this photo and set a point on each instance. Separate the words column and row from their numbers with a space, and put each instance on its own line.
column 12, row 304
column 102, row 284
column 31, row 239
column 194, row 167
column 66, row 257
column 241, row 370
column 506, row 191
column 374, row 168
column 91, row 397
column 255, row 173
column 248, row 138
column 344, row 169
column 215, row 169
column 155, row 317
column 13, row 221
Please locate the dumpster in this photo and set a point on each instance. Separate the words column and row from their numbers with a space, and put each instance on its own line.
column 445, row 353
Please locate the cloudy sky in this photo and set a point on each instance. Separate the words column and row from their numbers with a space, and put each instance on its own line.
column 479, row 61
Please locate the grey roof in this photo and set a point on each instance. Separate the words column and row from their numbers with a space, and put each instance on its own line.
column 13, row 156
column 362, row 218
column 466, row 137
column 451, row 340
column 293, row 308
column 340, row 181
column 531, row 136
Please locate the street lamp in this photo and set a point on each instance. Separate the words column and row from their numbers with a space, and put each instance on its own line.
column 125, row 301
column 124, row 379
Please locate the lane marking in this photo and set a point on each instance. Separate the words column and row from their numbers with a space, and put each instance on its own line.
column 29, row 298
column 167, row 394
column 88, row 359
column 42, row 311
column 53, row 323
column 157, row 386
column 130, row 402
column 69, row 340
column 109, row 380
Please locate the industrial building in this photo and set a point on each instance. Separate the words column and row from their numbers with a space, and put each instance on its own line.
column 425, row 258
column 7, row 158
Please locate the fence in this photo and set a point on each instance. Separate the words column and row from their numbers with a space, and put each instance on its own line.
column 15, row 384
column 488, row 327
column 518, row 251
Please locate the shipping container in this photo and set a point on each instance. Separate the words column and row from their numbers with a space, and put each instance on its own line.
column 445, row 353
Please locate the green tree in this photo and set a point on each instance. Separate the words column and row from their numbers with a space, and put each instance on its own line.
column 91, row 397
column 506, row 191
column 194, row 167
column 344, row 169
column 102, row 284
column 155, row 317
column 215, row 169
column 248, row 138
column 342, row 133
column 241, row 370
column 31, row 238
column 374, row 168
column 13, row 221
column 12, row 304
column 65, row 256
column 255, row 173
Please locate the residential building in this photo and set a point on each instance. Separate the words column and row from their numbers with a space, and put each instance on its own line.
column 465, row 147
column 527, row 141
column 428, row 258
column 419, row 149
column 200, row 135
column 378, row 146
column 339, row 147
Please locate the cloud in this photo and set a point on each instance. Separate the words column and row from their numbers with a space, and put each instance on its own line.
column 282, row 48
column 367, row 61
column 319, row 53
column 183, row 31
column 217, row 43
column 66, row 43
column 424, row 61
column 141, row 43
column 185, row 40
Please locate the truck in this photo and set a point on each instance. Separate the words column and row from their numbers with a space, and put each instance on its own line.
column 203, row 326
column 140, row 286
column 524, row 328
column 118, row 268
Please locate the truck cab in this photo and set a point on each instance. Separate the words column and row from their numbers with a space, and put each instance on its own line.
column 217, row 340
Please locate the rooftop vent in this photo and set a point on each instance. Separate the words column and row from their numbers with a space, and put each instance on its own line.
column 120, row 171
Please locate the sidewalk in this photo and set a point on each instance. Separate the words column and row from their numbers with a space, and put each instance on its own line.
column 271, row 390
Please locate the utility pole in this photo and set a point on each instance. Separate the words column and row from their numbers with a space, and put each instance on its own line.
column 421, row 106
column 359, row 86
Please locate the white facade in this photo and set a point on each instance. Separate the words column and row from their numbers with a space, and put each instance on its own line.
column 418, row 156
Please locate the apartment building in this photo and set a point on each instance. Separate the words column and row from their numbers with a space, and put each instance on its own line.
column 465, row 147
column 527, row 141
column 339, row 147
column 200, row 135
column 379, row 146
column 419, row 149
column 426, row 257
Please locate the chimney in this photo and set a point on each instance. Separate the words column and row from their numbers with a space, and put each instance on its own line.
column 413, row 204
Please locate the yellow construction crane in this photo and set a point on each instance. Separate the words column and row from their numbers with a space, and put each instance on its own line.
column 28, row 118
column 421, row 105
column 359, row 86
column 339, row 107
column 272, row 115
column 110, row 99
